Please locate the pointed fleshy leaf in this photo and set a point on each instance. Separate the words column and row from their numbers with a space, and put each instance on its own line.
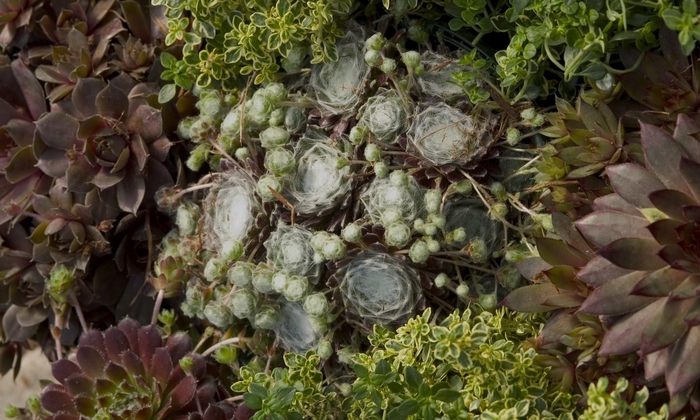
column 57, row 400
column 139, row 24
column 21, row 165
column 53, row 162
column 58, row 130
column 660, row 282
column 161, row 366
column 131, row 190
column 94, row 339
column 80, row 384
column 147, row 122
column 112, row 102
column 683, row 367
column 565, row 228
column 139, row 151
column 664, row 231
column 564, row 300
column 133, row 364
column 116, row 373
column 671, row 202
column 530, row 298
column 84, row 95
column 655, row 364
column 692, row 318
column 615, row 298
column 691, row 174
column 634, row 254
column 178, row 345
column 689, row 288
column 663, row 157
column 149, row 341
column 64, row 368
column 116, row 343
column 665, row 327
column 562, row 276
column 31, row 89
column 90, row 361
column 684, row 133
column 599, row 271
column 626, row 335
column 604, row 227
column 183, row 392
column 530, row 267
column 634, row 183
column 558, row 253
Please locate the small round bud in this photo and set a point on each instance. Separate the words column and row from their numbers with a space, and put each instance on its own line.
column 357, row 135
column 294, row 119
column 397, row 234
column 515, row 255
column 279, row 161
column 11, row 411
column 197, row 157
column 462, row 291
column 263, row 187
column 274, row 137
column 334, row 248
column 232, row 122
column 242, row 153
column 341, row 162
column 267, row 317
column 241, row 274
column 279, row 281
column 325, row 350
column 411, row 59
column 388, row 65
column 513, row 136
column 398, row 178
column 373, row 58
column 463, row 187
column 186, row 218
column 226, row 355
column 352, row 233
column 184, row 127
column 319, row 258
column 417, row 33
column 499, row 190
column 274, row 92
column 433, row 199
column 537, row 121
column 418, row 225
column 319, row 240
column 488, row 301
column 262, row 279
column 433, row 245
column 510, row 277
column 438, row 220
column 319, row 324
column 218, row 314
column 528, row 114
column 459, row 235
column 499, row 210
column 391, row 216
column 477, row 250
column 295, row 289
column 242, row 303
column 187, row 363
column 316, row 304
column 441, row 280
column 215, row 269
column 232, row 251
column 375, row 42
column 345, row 389
column 345, row 355
column 381, row 169
column 420, row 69
column 373, row 153
column 546, row 222
column 34, row 404
column 59, row 283
column 419, row 252
column 430, row 229
column 277, row 117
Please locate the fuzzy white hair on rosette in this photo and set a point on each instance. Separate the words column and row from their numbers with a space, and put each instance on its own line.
column 385, row 194
column 385, row 115
column 289, row 249
column 297, row 330
column 470, row 215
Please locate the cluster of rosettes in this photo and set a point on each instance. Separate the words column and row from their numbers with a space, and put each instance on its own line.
column 345, row 193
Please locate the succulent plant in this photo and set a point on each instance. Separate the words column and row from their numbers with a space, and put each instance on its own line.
column 129, row 371
column 16, row 19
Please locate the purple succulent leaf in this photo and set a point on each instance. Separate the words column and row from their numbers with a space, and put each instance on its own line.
column 149, row 341
column 692, row 213
column 116, row 343
column 688, row 289
column 671, row 202
column 96, row 13
column 147, row 122
column 112, row 102
column 604, row 227
column 683, row 369
column 105, row 33
column 22, row 132
column 7, row 112
column 161, row 366
column 96, row 340
column 183, row 392
column 664, row 231
column 105, row 178
column 58, row 130
column 80, row 384
column 634, row 254
column 178, row 345
column 665, row 327
column 565, row 228
column 105, row 387
column 561, row 322
column 64, row 368
column 55, row 226
column 663, row 157
column 655, row 364
column 133, row 364
column 139, row 24
column 31, row 88
column 30, row 316
column 530, row 267
column 21, row 165
column 85, row 405
column 158, row 176
column 564, row 300
column 690, row 171
column 140, row 151
column 615, row 298
column 85, row 94
column 55, row 398
column 674, row 256
column 159, row 148
column 626, row 335
column 215, row 413
column 558, row 253
column 131, row 190
column 90, row 361
column 634, row 183
column 692, row 318
column 562, row 276
column 116, row 373
column 53, row 162
column 660, row 282
column 684, row 133
column 530, row 298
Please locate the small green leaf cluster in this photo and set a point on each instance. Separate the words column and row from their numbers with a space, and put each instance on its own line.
column 605, row 403
column 225, row 41
column 476, row 365
column 566, row 38
column 294, row 392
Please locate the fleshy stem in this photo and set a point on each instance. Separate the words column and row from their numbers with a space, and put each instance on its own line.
column 156, row 307
column 217, row 346
column 78, row 310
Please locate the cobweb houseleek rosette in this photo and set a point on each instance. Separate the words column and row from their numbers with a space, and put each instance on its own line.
column 289, row 249
column 385, row 115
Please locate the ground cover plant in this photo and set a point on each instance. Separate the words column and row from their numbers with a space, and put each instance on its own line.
column 336, row 209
